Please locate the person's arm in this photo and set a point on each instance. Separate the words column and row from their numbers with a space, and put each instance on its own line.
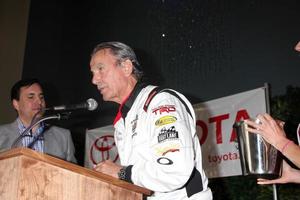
column 274, row 134
column 289, row 175
column 291, row 151
column 170, row 146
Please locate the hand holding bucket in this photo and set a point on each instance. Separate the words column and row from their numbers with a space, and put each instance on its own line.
column 258, row 157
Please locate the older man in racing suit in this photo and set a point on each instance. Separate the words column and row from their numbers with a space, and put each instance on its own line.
column 155, row 129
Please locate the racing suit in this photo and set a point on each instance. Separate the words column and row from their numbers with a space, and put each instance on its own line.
column 157, row 142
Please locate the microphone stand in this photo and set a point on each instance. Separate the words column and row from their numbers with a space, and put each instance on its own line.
column 58, row 116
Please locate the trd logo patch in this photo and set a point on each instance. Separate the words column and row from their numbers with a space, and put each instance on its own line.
column 165, row 108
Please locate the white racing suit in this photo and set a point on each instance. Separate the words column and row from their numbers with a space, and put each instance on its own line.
column 157, row 141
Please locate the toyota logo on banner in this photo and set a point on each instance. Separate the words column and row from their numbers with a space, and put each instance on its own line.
column 103, row 148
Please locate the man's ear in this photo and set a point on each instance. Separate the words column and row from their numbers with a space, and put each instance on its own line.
column 127, row 67
column 15, row 104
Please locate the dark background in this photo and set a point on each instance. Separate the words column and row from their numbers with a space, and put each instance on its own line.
column 205, row 49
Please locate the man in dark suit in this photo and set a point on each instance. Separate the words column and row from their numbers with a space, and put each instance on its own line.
column 28, row 100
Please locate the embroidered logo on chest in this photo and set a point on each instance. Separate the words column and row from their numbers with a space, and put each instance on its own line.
column 134, row 125
column 164, row 109
column 165, row 120
column 167, row 134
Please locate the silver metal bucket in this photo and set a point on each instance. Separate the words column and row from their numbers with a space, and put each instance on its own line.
column 258, row 158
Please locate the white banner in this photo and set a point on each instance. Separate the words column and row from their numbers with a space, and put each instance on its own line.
column 214, row 127
column 215, row 121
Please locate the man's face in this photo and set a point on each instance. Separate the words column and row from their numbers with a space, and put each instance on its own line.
column 31, row 101
column 108, row 76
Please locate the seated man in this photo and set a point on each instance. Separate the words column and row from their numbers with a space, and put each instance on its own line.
column 28, row 100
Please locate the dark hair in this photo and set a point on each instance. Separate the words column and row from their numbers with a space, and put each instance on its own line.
column 15, row 90
column 122, row 52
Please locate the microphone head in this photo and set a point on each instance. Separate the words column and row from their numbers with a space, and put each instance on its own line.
column 92, row 104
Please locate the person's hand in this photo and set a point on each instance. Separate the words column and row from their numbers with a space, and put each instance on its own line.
column 108, row 167
column 289, row 175
column 270, row 129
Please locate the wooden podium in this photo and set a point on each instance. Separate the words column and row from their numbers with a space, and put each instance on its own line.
column 27, row 174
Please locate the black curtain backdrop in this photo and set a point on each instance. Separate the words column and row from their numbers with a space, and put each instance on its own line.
column 205, row 49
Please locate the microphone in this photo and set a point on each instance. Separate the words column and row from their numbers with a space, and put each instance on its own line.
column 90, row 104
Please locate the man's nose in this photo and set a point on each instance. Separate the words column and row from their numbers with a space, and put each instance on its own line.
column 39, row 101
column 96, row 79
